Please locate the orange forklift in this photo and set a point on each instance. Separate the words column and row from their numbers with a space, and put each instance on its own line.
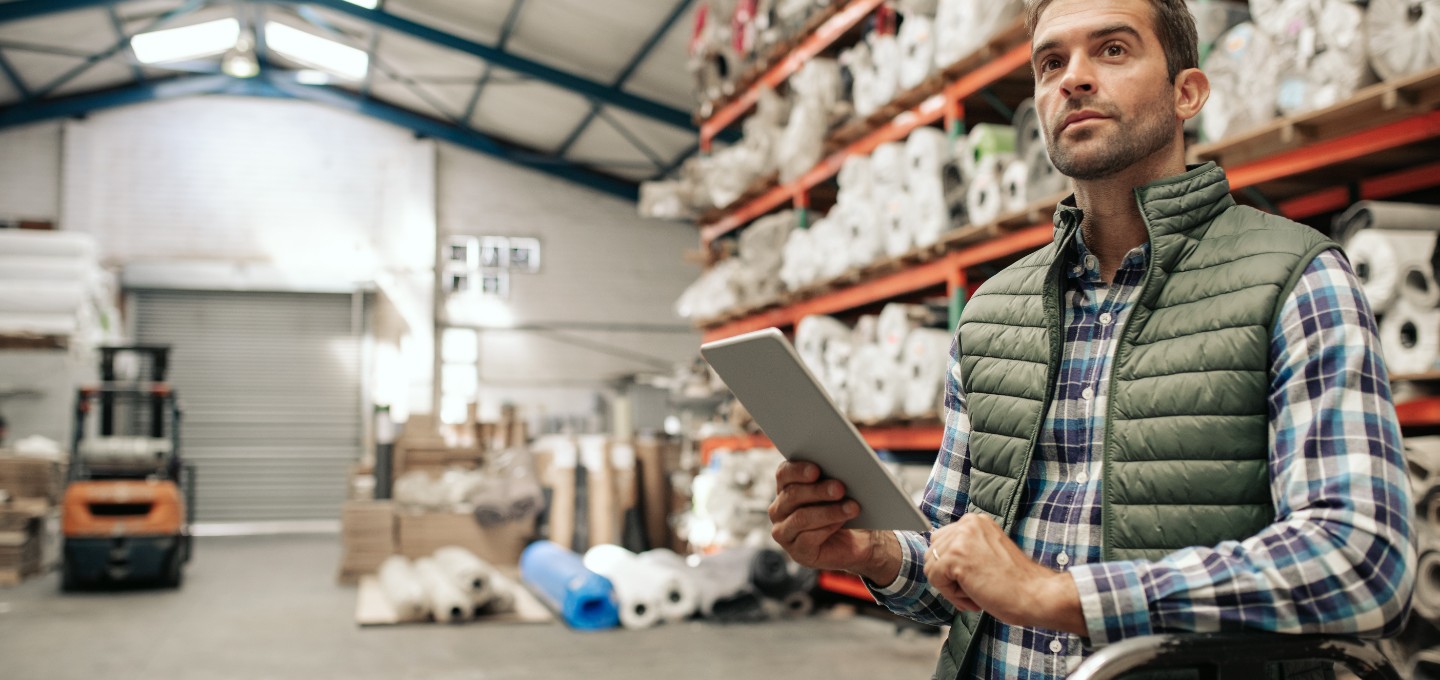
column 129, row 500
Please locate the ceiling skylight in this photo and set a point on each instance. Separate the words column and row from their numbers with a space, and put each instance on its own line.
column 186, row 42
column 339, row 60
column 367, row 4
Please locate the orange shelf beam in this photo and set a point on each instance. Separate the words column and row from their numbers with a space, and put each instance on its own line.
column 1419, row 413
column 815, row 43
column 844, row 584
column 899, row 437
column 925, row 113
column 1339, row 150
column 1377, row 188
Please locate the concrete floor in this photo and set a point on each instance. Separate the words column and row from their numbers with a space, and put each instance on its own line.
column 269, row 608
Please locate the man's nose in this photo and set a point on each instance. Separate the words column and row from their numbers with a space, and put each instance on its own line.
column 1079, row 79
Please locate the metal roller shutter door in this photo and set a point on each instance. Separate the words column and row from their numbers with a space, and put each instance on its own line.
column 270, row 387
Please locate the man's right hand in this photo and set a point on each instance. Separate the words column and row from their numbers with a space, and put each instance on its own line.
column 809, row 515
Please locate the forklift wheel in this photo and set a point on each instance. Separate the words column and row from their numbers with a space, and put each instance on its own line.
column 174, row 574
column 69, row 582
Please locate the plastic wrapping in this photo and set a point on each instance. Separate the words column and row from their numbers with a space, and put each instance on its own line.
column 1404, row 36
column 1243, row 68
column 584, row 599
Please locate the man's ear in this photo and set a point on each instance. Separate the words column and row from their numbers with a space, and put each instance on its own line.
column 1192, row 90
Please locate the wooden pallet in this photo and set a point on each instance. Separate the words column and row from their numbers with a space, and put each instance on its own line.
column 372, row 609
column 1375, row 105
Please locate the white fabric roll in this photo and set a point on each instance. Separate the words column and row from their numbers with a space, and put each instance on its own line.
column 1417, row 285
column 814, row 336
column 1028, row 131
column 682, row 599
column 43, row 268
column 1243, row 68
column 1332, row 60
column 986, row 196
column 876, row 386
column 895, row 324
column 402, row 588
column 861, row 227
column 41, row 297
column 1014, row 185
column 803, row 141
column 502, row 597
column 473, row 575
column 963, row 26
column 855, row 179
column 819, row 83
column 1380, row 258
column 1403, row 36
column 448, row 603
column 867, row 330
column 930, row 215
column 26, row 242
column 1427, row 588
column 639, row 587
column 830, row 240
column 927, row 149
column 861, row 63
column 923, row 363
column 887, row 169
column 1282, row 19
column 917, row 49
column 1044, row 180
column 988, row 140
column 885, row 51
column 1410, row 339
column 801, row 263
column 722, row 576
column 896, row 215
column 1387, row 215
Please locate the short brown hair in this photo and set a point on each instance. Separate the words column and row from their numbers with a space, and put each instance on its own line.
column 1174, row 24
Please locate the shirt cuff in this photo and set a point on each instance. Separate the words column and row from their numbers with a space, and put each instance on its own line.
column 1113, row 601
column 910, row 583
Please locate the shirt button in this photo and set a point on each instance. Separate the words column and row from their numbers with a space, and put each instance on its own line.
column 1087, row 394
column 1056, row 646
column 1078, row 270
column 1082, row 478
column 1091, row 262
column 1106, row 319
column 1062, row 559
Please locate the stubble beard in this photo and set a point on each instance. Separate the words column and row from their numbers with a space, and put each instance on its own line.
column 1132, row 141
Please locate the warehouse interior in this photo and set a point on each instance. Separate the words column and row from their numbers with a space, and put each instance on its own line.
column 362, row 337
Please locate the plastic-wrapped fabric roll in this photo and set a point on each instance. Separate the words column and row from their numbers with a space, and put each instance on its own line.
column 402, row 588
column 1410, row 339
column 813, row 337
column 683, row 600
column 1403, row 36
column 876, row 387
column 503, row 600
column 895, row 217
column 1427, row 586
column 855, row 179
column 985, row 198
column 988, row 140
column 584, row 599
column 926, row 152
column 866, row 331
column 1028, row 131
column 923, row 363
column 1214, row 17
column 962, row 26
column 1381, row 256
column 917, row 49
column 818, row 82
column 43, row 268
column 1044, row 180
column 897, row 320
column 1418, row 287
column 885, row 51
column 930, row 216
column 471, row 573
column 887, row 169
column 800, row 265
column 1334, row 60
column 642, row 589
column 770, row 574
column 722, row 577
column 830, row 244
column 859, row 226
column 1014, row 186
column 1386, row 215
column 23, row 242
column 860, row 63
column 448, row 603
column 955, row 188
column 1283, row 19
column 1243, row 68
column 41, row 297
column 803, row 141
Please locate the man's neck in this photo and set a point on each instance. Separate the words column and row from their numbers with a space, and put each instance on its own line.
column 1113, row 225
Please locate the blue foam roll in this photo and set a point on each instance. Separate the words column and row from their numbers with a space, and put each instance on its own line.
column 585, row 600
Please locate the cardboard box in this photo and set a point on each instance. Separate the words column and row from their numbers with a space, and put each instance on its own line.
column 421, row 535
column 410, row 457
column 367, row 537
column 28, row 478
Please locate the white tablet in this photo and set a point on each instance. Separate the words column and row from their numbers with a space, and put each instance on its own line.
column 765, row 373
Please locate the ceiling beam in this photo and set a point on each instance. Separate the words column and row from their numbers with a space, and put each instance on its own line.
column 645, row 49
column 282, row 85
column 512, row 18
column 15, row 80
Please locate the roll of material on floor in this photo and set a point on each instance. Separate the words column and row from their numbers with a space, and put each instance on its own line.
column 639, row 588
column 1381, row 259
column 448, row 603
column 985, row 198
column 474, row 575
column 403, row 589
column 1410, row 339
column 584, row 599
column 917, row 49
column 923, row 363
column 1015, row 186
column 1243, row 68
column 682, row 597
column 724, row 577
column 1403, row 36
column 502, row 600
column 770, row 574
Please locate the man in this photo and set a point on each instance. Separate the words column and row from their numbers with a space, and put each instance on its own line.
column 1173, row 418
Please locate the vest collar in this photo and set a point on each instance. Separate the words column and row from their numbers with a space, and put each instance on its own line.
column 1172, row 205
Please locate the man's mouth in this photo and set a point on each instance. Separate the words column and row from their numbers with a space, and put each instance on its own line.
column 1080, row 117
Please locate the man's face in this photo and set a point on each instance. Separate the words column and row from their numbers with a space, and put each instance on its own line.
column 1101, row 86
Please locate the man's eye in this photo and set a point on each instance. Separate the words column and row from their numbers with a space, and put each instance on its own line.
column 1050, row 64
column 1114, row 51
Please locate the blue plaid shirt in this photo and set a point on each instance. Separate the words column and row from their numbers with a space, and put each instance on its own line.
column 1337, row 559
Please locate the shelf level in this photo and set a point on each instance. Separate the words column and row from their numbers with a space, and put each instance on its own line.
column 844, row 584
column 1419, row 413
column 818, row 41
column 900, row 437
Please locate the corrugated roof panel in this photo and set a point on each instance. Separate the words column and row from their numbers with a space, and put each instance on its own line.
column 587, row 38
column 663, row 76
column 425, row 61
column 530, row 113
column 477, row 20
column 8, row 94
column 112, row 72
column 39, row 70
column 84, row 30
column 665, row 140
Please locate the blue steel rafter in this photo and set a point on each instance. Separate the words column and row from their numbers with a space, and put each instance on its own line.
column 25, row 9
column 124, row 37
column 283, row 85
column 506, row 29
column 15, row 80
column 625, row 73
column 123, row 43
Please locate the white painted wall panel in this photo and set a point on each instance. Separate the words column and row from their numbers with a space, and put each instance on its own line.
column 30, row 172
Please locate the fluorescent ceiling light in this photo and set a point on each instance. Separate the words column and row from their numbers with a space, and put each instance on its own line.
column 367, row 4
column 186, row 42
column 312, row 50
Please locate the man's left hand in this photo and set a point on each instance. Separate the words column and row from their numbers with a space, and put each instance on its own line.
column 975, row 565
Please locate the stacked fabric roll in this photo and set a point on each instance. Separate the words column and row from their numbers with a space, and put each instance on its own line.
column 647, row 593
column 51, row 283
column 875, row 65
column 732, row 498
column 1393, row 249
column 1323, row 41
column 888, row 366
column 452, row 586
column 714, row 62
column 1403, row 36
column 1243, row 68
column 917, row 48
column 817, row 93
column 963, row 26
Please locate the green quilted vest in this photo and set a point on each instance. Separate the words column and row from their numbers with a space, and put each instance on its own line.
column 1186, row 440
